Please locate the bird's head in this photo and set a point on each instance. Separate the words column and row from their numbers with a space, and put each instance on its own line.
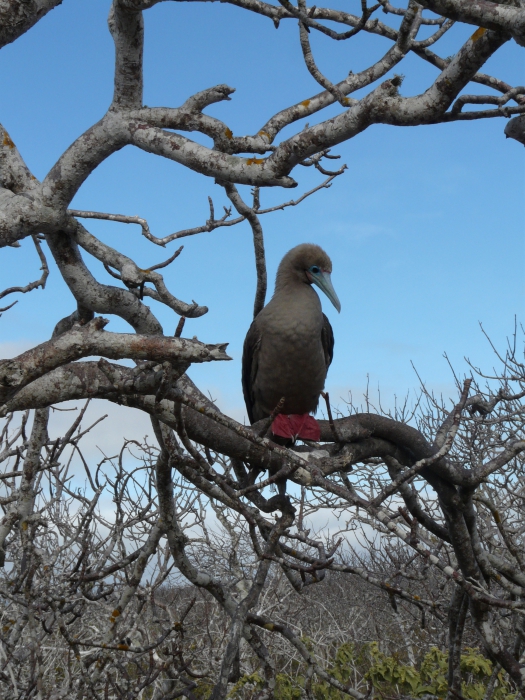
column 308, row 263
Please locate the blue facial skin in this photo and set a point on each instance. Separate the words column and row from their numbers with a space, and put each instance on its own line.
column 321, row 278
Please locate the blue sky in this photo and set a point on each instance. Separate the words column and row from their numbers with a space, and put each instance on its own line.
column 425, row 228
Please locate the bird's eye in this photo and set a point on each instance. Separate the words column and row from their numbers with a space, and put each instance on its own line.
column 315, row 270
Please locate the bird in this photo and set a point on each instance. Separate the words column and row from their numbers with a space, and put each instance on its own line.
column 289, row 345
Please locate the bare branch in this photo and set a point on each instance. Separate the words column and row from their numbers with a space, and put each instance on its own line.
column 250, row 214
column 483, row 13
column 17, row 16
column 91, row 339
column 32, row 285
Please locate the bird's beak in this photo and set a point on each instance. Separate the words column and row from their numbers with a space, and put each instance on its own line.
column 323, row 281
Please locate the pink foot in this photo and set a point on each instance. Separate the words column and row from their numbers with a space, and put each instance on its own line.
column 295, row 426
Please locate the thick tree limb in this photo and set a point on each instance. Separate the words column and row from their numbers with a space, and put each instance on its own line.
column 17, row 16
column 483, row 13
column 91, row 339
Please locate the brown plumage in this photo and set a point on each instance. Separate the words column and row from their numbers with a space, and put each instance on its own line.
column 289, row 345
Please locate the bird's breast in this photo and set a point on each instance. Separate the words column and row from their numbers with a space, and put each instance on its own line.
column 291, row 360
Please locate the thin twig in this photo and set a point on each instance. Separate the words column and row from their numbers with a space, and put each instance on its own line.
column 326, row 398
column 276, row 411
column 180, row 326
column 41, row 282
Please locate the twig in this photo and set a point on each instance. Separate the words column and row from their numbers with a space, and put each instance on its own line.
column 428, row 461
column 210, row 225
column 180, row 326
column 326, row 398
column 6, row 308
column 314, row 70
column 272, row 416
column 338, row 36
column 294, row 202
column 258, row 242
column 41, row 282
column 168, row 261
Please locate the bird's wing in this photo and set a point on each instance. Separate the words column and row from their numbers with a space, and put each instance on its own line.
column 250, row 364
column 327, row 339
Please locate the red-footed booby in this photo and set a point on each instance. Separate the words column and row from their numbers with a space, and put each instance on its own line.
column 289, row 346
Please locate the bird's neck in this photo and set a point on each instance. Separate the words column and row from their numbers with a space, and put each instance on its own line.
column 293, row 293
column 288, row 281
